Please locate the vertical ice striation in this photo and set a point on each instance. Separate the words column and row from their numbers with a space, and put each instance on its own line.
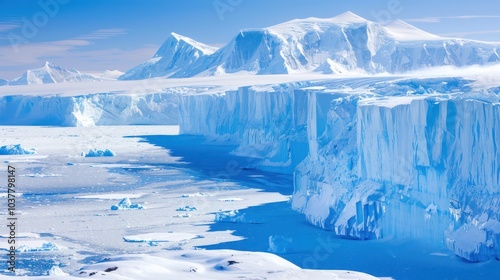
column 369, row 166
column 424, row 166
column 266, row 125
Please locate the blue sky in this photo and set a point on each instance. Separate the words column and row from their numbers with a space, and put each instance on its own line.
column 95, row 35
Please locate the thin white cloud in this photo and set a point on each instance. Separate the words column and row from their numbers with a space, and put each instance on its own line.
column 7, row 26
column 23, row 52
column 69, row 54
column 103, row 34
column 14, row 55
column 468, row 33
column 439, row 19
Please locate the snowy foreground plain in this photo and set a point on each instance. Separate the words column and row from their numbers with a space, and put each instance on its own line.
column 198, row 197
column 66, row 225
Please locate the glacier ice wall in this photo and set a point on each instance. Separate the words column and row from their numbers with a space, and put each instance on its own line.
column 266, row 125
column 90, row 110
column 367, row 166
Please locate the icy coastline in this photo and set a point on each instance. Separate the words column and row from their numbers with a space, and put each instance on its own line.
column 368, row 165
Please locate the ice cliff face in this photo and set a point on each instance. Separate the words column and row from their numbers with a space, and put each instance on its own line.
column 89, row 110
column 50, row 73
column 346, row 43
column 375, row 163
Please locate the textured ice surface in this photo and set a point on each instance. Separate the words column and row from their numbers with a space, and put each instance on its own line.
column 413, row 158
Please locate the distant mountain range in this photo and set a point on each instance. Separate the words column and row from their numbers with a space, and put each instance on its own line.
column 50, row 73
column 345, row 43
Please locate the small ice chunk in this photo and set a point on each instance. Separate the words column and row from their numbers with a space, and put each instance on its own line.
column 186, row 208
column 126, row 204
column 100, row 153
column 15, row 150
column 56, row 271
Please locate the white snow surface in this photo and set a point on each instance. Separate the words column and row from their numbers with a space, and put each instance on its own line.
column 224, row 264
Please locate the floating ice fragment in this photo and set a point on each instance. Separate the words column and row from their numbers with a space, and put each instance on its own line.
column 56, row 271
column 100, row 153
column 126, row 204
column 15, row 150
column 186, row 208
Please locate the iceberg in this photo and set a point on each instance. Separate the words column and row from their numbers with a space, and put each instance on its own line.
column 100, row 153
column 126, row 204
column 15, row 150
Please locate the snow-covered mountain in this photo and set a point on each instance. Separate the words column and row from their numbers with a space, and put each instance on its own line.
column 50, row 73
column 341, row 44
column 3, row 82
column 107, row 74
column 174, row 58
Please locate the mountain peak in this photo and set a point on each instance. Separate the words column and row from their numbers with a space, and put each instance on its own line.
column 404, row 31
column 177, row 38
column 344, row 43
column 50, row 73
column 48, row 65
column 349, row 17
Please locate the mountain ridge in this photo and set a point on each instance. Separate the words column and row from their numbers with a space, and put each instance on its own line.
column 50, row 73
column 345, row 43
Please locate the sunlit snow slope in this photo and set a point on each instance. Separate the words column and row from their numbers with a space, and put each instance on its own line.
column 345, row 43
